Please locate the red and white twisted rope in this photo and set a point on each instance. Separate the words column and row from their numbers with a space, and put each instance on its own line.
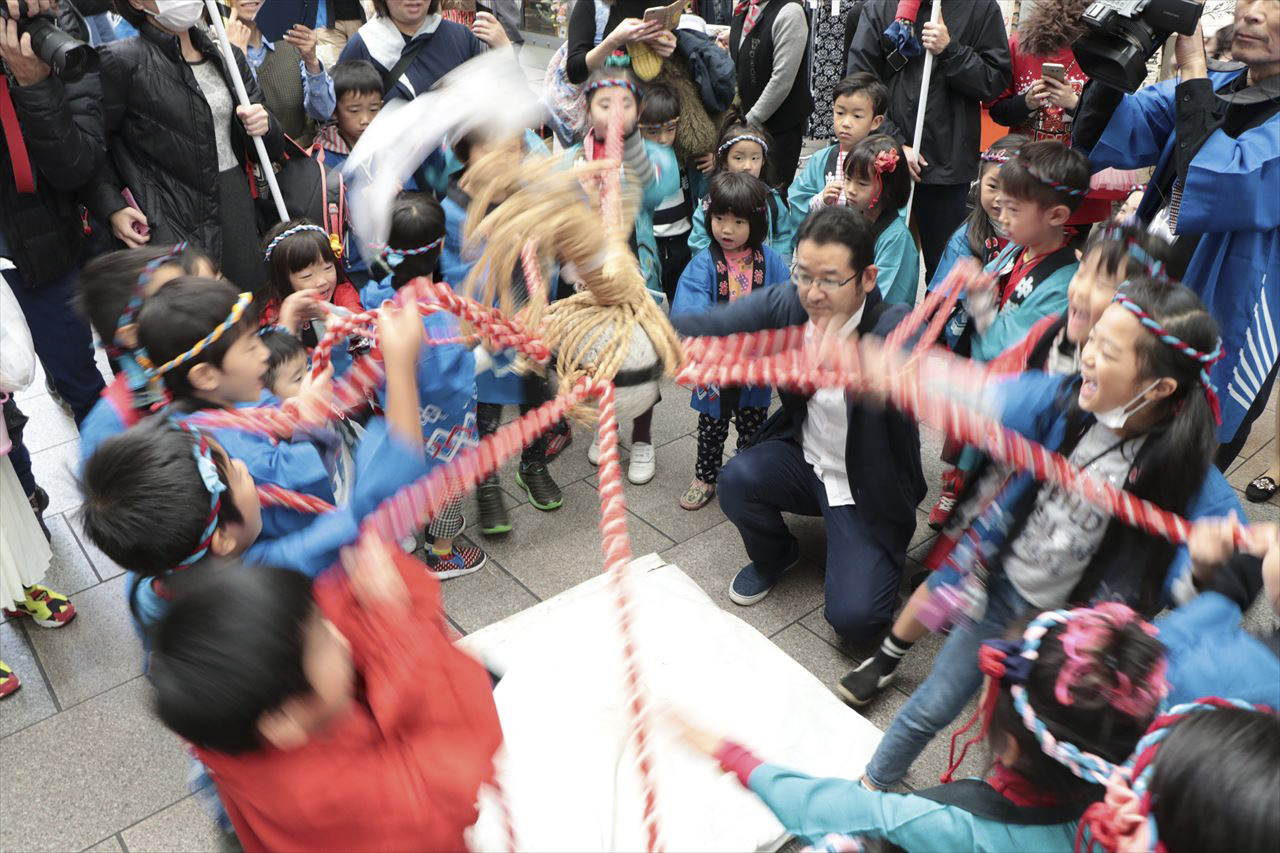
column 270, row 495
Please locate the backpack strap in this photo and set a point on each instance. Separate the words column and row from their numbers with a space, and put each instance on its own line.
column 392, row 77
column 981, row 800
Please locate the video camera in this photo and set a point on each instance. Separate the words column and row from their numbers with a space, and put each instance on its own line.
column 69, row 57
column 1121, row 35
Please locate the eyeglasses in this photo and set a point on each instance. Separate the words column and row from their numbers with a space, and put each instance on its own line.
column 803, row 279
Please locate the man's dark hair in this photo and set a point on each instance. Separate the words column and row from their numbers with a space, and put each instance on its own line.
column 1030, row 175
column 742, row 195
column 107, row 283
column 417, row 219
column 844, row 226
column 355, row 77
column 282, row 347
column 1223, row 763
column 145, row 503
column 181, row 314
column 862, row 82
column 228, row 650
column 659, row 104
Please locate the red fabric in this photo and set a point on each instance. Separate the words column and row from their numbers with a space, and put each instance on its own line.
column 346, row 296
column 1014, row 359
column 1018, row 789
column 402, row 768
column 120, row 397
column 737, row 759
column 908, row 10
column 1021, row 268
column 22, row 174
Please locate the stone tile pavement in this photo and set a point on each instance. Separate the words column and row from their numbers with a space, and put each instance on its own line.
column 81, row 754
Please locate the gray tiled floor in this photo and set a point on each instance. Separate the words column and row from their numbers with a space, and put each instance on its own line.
column 80, row 750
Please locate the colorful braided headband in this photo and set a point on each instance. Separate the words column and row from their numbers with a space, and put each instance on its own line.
column 1104, row 822
column 209, row 476
column 1074, row 192
column 1205, row 359
column 395, row 257
column 1114, row 232
column 617, row 83
column 129, row 315
column 1011, row 664
column 1001, row 155
column 289, row 232
column 743, row 137
column 237, row 311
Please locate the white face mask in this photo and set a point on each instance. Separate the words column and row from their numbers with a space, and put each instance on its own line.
column 1115, row 419
column 177, row 15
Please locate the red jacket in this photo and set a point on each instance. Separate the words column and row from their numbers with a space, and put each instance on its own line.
column 345, row 296
column 402, row 769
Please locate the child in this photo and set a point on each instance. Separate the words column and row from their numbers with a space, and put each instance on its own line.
column 1204, row 777
column 877, row 183
column 653, row 168
column 200, row 337
column 501, row 383
column 333, row 715
column 1065, row 702
column 1112, row 255
column 1210, row 654
column 1039, row 188
column 1139, row 416
column 357, row 86
column 737, row 263
column 162, row 469
column 858, row 106
column 286, row 362
column 981, row 236
column 744, row 147
column 446, row 372
column 659, row 117
column 112, row 288
column 300, row 259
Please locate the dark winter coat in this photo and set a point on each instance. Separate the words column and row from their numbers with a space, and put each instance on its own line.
column 161, row 138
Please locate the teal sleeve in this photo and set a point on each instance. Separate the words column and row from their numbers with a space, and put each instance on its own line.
column 784, row 228
column 699, row 239
column 666, row 175
column 898, row 265
column 957, row 248
column 693, row 291
column 1012, row 324
column 810, row 807
column 807, row 184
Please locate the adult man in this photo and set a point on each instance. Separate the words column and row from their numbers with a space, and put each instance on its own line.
column 769, row 42
column 1214, row 139
column 410, row 38
column 851, row 461
column 52, row 144
column 971, row 65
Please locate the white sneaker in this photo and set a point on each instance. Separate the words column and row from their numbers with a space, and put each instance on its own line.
column 593, row 452
column 643, row 465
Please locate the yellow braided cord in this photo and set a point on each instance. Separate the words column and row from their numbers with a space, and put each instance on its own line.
column 237, row 311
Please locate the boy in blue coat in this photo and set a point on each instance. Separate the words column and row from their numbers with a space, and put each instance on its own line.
column 856, row 465
column 737, row 263
column 208, row 498
column 1039, row 188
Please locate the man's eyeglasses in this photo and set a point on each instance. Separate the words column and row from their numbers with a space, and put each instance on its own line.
column 802, row 279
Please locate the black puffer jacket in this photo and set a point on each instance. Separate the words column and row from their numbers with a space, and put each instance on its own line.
column 62, row 131
column 161, row 138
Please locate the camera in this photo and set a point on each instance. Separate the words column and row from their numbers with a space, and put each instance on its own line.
column 1121, row 35
column 69, row 57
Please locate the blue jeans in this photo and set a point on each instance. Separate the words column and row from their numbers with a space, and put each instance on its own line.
column 952, row 682
column 62, row 340
column 763, row 481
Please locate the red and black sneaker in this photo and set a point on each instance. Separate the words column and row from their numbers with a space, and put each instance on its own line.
column 560, row 437
column 952, row 484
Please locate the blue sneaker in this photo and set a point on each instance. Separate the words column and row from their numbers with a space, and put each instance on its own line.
column 751, row 584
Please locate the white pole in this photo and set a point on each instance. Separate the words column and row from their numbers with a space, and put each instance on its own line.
column 924, row 99
column 233, row 71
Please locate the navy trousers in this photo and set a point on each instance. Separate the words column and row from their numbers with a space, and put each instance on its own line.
column 63, row 341
column 762, row 482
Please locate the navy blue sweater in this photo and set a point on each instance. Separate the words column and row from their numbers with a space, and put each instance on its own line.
column 448, row 46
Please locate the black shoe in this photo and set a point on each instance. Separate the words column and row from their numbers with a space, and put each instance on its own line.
column 39, row 503
column 863, row 684
column 494, row 517
column 536, row 481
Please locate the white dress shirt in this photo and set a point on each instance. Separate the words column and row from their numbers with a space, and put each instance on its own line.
column 826, row 429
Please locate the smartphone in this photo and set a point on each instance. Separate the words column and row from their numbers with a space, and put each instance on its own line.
column 1055, row 70
column 484, row 7
column 138, row 228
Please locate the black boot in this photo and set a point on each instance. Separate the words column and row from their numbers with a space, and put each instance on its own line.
column 536, row 480
column 494, row 517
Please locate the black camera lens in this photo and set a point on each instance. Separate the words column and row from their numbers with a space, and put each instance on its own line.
column 69, row 57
